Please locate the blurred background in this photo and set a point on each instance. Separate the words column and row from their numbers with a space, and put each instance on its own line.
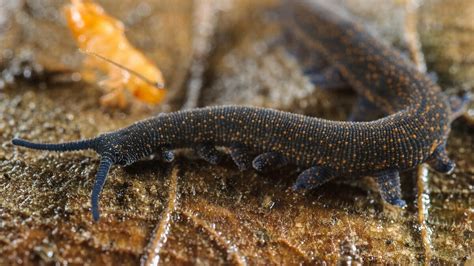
column 214, row 52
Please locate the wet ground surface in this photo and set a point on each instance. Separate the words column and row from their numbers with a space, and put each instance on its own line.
column 207, row 214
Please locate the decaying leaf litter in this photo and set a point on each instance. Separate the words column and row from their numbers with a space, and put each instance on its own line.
column 221, row 215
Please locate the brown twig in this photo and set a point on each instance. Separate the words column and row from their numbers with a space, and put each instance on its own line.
column 295, row 249
column 411, row 35
column 159, row 236
column 230, row 248
column 206, row 15
column 423, row 198
column 423, row 202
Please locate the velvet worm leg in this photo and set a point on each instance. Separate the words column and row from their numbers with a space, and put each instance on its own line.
column 312, row 178
column 364, row 110
column 440, row 161
column 389, row 186
column 240, row 156
column 266, row 161
column 208, row 152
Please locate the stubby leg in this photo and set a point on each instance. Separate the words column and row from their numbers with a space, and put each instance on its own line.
column 166, row 154
column 266, row 161
column 459, row 104
column 308, row 60
column 208, row 152
column 440, row 161
column 312, row 178
column 364, row 110
column 389, row 186
column 240, row 156
column 328, row 78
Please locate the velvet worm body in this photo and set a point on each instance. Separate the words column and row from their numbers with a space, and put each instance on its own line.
column 414, row 129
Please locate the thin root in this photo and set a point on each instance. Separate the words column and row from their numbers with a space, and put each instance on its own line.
column 230, row 248
column 160, row 234
column 423, row 202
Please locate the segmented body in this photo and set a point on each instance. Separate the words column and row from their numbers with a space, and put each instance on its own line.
column 419, row 113
column 360, row 148
column 414, row 130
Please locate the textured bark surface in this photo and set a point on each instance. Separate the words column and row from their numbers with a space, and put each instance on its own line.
column 193, row 212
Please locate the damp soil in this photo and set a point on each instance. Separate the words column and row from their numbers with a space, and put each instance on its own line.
column 218, row 214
